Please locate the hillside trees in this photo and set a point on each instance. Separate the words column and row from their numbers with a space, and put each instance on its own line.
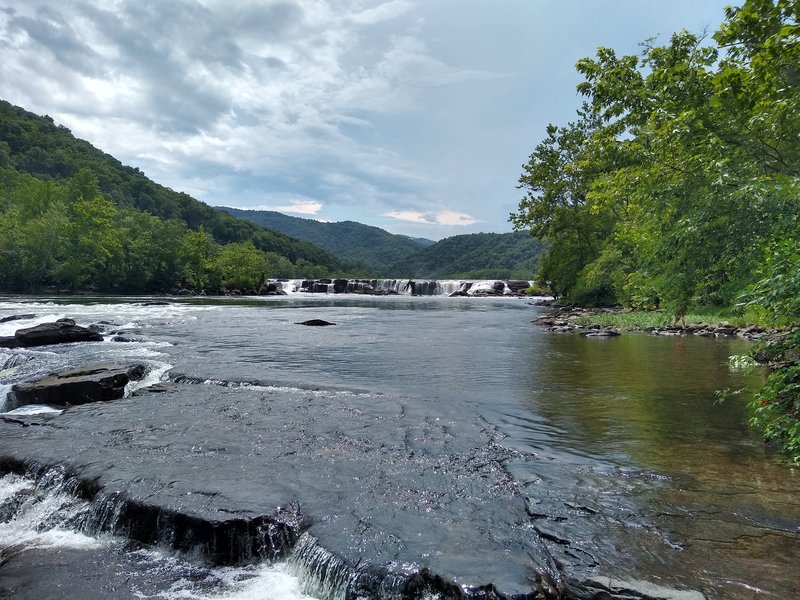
column 36, row 146
column 70, row 236
column 682, row 166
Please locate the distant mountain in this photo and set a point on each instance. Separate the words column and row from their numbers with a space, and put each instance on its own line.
column 418, row 240
column 474, row 256
column 35, row 145
column 470, row 256
column 351, row 242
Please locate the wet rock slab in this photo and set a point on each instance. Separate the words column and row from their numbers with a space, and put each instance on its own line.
column 380, row 485
column 92, row 383
column 392, row 500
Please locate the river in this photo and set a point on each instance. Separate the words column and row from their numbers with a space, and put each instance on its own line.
column 434, row 435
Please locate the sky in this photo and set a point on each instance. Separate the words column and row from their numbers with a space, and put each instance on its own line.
column 415, row 116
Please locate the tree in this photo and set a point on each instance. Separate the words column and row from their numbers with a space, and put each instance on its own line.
column 93, row 243
column 239, row 265
column 668, row 187
column 197, row 250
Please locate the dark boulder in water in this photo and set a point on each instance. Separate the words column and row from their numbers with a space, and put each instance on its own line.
column 62, row 331
column 8, row 341
column 17, row 318
column 316, row 323
column 93, row 383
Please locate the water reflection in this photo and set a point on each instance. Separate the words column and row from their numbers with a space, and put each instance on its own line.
column 638, row 397
column 727, row 507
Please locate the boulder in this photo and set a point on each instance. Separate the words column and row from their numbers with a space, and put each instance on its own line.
column 615, row 589
column 517, row 286
column 8, row 341
column 17, row 317
column 601, row 333
column 724, row 329
column 62, row 331
column 315, row 323
column 93, row 383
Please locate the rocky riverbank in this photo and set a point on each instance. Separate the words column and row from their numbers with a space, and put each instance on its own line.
column 608, row 322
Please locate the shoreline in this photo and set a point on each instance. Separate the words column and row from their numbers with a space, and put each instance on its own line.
column 610, row 322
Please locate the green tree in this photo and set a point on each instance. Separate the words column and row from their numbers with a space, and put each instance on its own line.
column 239, row 265
column 197, row 251
column 92, row 244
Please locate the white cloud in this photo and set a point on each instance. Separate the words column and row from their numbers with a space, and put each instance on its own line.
column 383, row 12
column 449, row 217
column 299, row 206
column 408, row 215
column 445, row 217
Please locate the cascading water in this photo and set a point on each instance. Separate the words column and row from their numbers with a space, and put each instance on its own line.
column 46, row 514
column 408, row 287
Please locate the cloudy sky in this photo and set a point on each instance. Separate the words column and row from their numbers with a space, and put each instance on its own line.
column 411, row 115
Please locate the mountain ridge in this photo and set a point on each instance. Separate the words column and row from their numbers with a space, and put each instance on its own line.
column 350, row 241
column 467, row 256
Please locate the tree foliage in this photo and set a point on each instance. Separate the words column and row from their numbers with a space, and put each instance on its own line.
column 72, row 217
column 473, row 256
column 681, row 167
column 679, row 185
column 354, row 243
column 48, row 152
column 70, row 237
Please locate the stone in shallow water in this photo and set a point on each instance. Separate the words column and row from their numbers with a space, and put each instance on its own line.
column 93, row 383
column 614, row 589
column 316, row 323
column 62, row 331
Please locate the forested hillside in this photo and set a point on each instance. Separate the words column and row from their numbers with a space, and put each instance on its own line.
column 35, row 145
column 73, row 217
column 471, row 256
column 474, row 256
column 351, row 242
column 678, row 185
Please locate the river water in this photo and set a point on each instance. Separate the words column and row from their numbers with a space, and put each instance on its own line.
column 417, row 433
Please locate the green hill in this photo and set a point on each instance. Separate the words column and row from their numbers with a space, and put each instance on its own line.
column 470, row 256
column 474, row 256
column 35, row 145
column 351, row 242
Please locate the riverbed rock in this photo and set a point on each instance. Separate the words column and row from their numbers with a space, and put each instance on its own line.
column 93, row 383
column 615, row 589
column 601, row 333
column 725, row 330
column 62, row 331
column 17, row 317
column 517, row 286
column 8, row 341
column 316, row 323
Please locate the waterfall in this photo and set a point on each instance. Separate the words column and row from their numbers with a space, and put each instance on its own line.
column 407, row 287
column 53, row 498
column 290, row 286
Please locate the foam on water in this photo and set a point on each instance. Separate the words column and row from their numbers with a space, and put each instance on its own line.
column 30, row 409
column 8, row 329
column 153, row 376
column 39, row 520
column 129, row 315
column 263, row 582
